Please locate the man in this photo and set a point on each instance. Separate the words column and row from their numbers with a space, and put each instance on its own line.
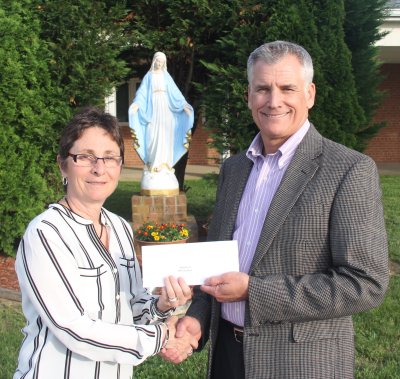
column 308, row 218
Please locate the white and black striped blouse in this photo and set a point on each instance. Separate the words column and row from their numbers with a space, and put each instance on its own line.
column 88, row 315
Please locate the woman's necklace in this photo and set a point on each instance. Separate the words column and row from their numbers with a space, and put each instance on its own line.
column 101, row 225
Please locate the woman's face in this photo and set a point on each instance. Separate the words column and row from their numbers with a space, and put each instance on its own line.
column 92, row 185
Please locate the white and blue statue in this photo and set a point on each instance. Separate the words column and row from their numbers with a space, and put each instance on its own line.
column 161, row 121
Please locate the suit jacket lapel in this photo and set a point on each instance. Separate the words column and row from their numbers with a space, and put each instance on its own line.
column 237, row 183
column 300, row 171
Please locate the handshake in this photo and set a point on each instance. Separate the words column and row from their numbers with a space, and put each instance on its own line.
column 184, row 334
column 180, row 336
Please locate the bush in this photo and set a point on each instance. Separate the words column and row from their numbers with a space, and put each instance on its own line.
column 23, row 189
column 28, row 139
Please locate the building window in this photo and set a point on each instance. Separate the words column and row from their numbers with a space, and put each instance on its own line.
column 119, row 101
column 123, row 102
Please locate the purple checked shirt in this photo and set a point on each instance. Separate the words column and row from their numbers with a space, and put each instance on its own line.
column 263, row 181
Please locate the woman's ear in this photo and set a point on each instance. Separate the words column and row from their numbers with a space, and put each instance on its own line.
column 61, row 166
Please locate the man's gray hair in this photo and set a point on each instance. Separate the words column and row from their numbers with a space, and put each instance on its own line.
column 272, row 52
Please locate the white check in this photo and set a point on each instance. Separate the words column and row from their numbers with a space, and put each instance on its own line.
column 193, row 262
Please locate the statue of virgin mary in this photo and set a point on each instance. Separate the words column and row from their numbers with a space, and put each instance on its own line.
column 161, row 121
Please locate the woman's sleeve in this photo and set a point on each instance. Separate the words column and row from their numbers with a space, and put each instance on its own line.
column 51, row 291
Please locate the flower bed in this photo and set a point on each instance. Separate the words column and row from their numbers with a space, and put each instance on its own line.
column 165, row 232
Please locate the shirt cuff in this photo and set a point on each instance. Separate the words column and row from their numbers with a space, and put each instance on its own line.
column 160, row 315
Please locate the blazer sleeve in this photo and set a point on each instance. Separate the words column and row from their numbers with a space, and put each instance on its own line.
column 353, row 278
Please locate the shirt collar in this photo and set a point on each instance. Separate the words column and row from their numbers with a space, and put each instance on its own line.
column 76, row 217
column 286, row 151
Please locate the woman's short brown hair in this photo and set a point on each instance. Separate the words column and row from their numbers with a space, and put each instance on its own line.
column 89, row 117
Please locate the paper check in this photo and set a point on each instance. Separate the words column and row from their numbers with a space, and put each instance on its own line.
column 194, row 262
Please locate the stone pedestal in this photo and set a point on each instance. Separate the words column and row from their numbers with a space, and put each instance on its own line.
column 163, row 209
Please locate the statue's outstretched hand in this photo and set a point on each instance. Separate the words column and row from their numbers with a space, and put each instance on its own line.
column 134, row 108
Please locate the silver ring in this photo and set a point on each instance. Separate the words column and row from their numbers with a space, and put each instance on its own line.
column 172, row 299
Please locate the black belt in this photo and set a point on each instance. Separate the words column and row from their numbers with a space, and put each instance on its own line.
column 236, row 330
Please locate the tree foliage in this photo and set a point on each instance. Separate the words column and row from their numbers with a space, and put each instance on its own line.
column 338, row 114
column 207, row 56
column 55, row 57
column 319, row 27
column 361, row 28
column 27, row 139
column 86, row 39
column 186, row 31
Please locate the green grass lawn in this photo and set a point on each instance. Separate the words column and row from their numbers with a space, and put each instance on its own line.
column 377, row 331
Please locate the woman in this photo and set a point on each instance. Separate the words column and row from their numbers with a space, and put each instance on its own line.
column 88, row 315
column 161, row 122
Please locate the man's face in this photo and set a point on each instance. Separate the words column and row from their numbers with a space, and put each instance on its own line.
column 279, row 100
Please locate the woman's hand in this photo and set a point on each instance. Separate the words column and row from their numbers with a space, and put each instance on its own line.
column 175, row 293
column 178, row 349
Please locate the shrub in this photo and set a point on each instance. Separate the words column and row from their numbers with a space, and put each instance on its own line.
column 28, row 139
column 23, row 188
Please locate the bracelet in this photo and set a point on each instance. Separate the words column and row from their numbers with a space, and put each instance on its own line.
column 166, row 339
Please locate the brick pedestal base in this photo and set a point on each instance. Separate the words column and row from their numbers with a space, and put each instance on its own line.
column 159, row 208
column 163, row 209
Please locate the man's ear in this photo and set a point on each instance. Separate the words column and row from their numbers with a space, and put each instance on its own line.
column 310, row 95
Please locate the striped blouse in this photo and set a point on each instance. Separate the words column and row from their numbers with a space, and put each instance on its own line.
column 87, row 314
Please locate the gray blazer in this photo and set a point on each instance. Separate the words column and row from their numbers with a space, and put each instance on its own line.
column 321, row 257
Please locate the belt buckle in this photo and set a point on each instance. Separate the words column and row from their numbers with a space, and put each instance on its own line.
column 238, row 333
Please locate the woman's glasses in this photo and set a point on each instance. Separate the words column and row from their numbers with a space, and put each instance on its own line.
column 89, row 160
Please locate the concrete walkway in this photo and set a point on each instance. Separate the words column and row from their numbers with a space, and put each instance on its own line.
column 389, row 168
column 192, row 172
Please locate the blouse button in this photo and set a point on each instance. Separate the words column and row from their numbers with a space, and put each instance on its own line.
column 115, row 270
column 117, row 297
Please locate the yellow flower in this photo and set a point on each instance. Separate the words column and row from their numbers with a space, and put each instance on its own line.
column 154, row 234
column 156, row 238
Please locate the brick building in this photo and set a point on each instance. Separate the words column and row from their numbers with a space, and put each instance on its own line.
column 383, row 148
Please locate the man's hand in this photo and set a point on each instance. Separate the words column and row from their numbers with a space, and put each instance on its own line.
column 189, row 325
column 231, row 286
column 181, row 346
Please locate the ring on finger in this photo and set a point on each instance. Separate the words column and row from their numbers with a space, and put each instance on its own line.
column 172, row 299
